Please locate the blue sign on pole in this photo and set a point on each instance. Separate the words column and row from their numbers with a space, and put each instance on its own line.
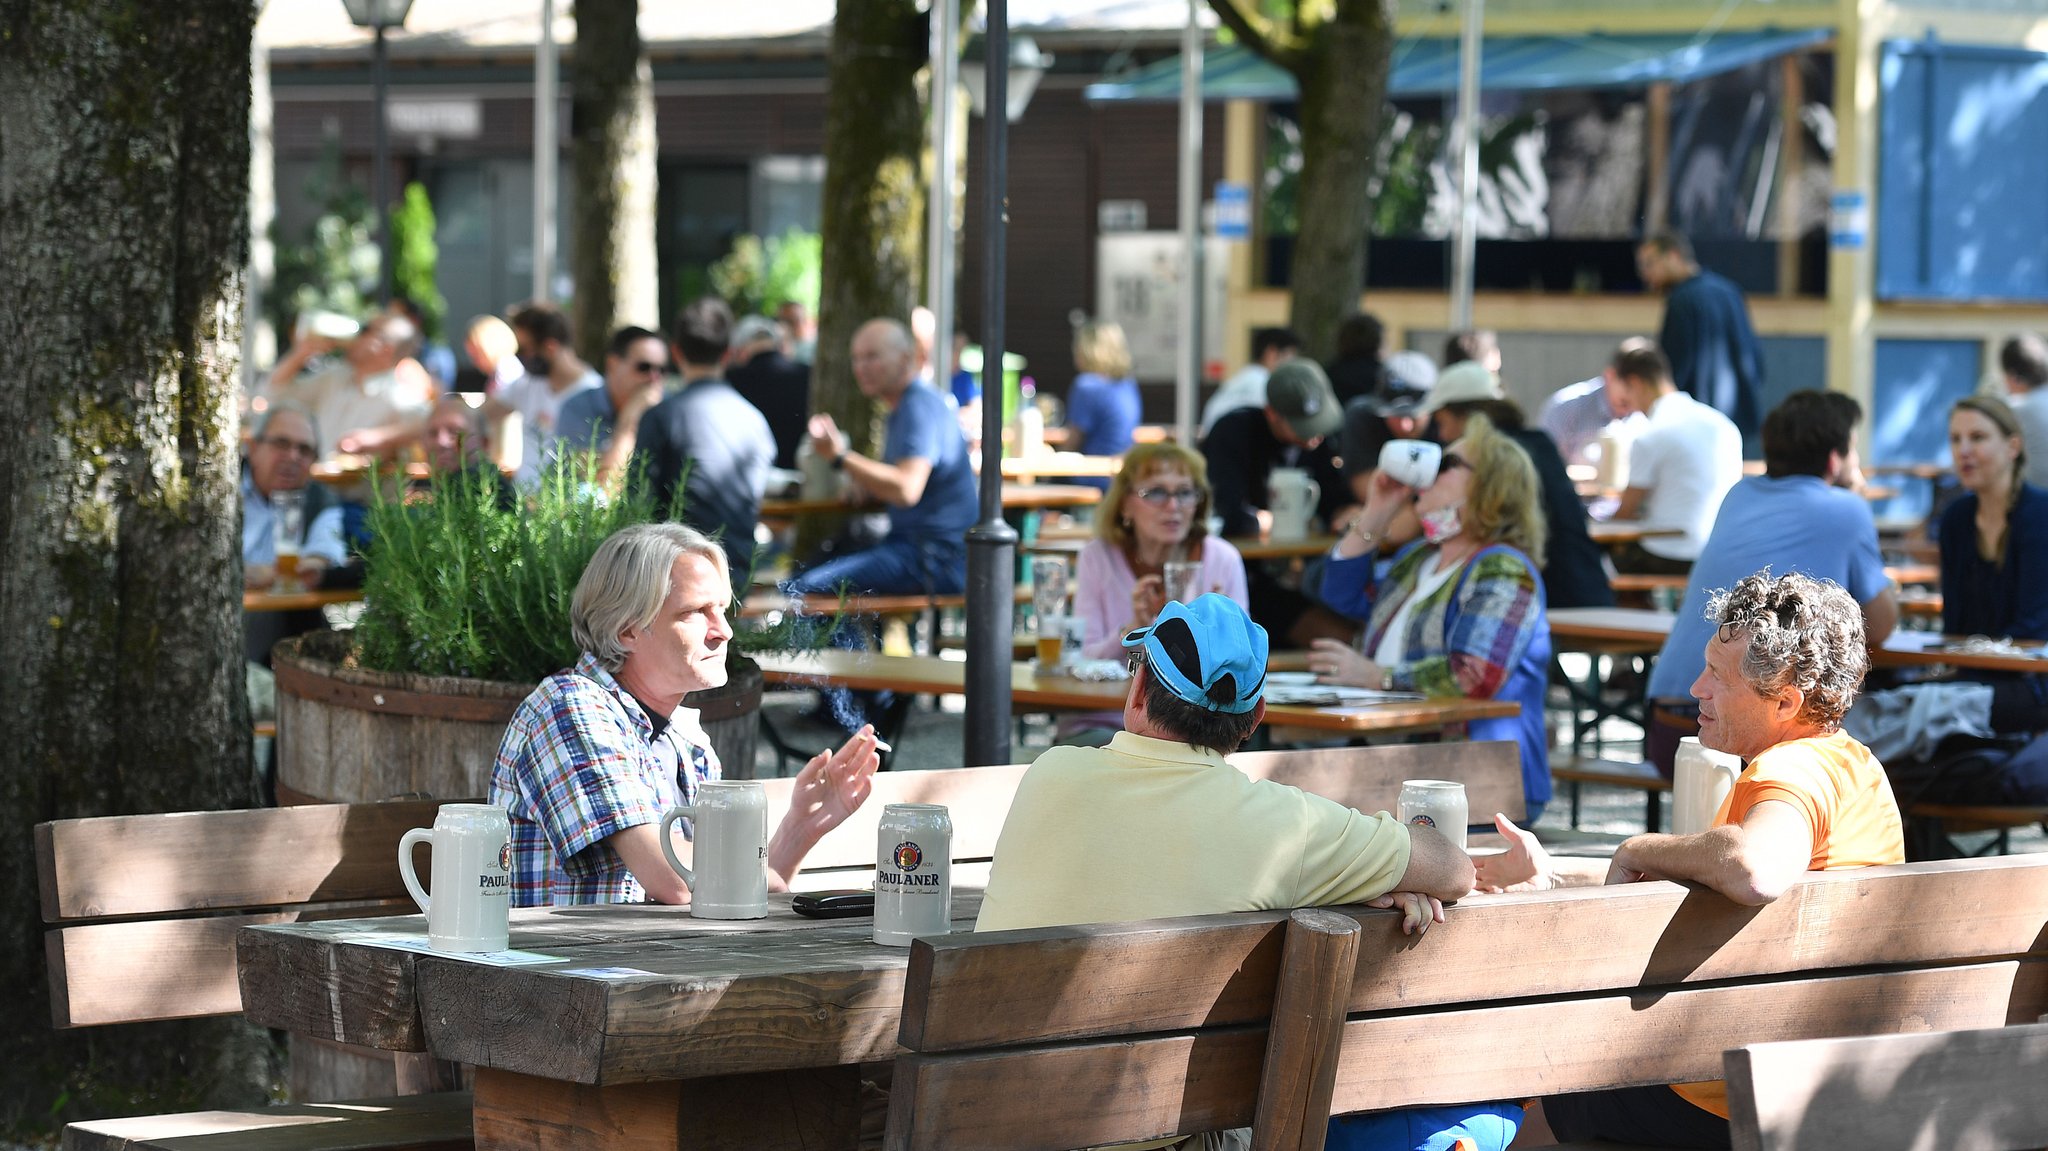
column 1233, row 211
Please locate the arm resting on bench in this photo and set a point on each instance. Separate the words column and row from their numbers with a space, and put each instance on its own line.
column 1751, row 863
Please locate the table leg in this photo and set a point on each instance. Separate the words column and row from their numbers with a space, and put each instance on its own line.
column 813, row 1110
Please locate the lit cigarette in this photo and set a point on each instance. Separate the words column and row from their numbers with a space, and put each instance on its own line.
column 882, row 745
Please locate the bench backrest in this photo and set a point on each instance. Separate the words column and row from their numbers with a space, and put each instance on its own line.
column 145, row 907
column 1077, row 1036
column 978, row 798
column 1976, row 1090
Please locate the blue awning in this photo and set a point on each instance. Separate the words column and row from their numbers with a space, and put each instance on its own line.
column 1429, row 67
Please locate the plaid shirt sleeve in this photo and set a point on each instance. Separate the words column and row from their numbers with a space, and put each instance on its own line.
column 572, row 771
column 1490, row 621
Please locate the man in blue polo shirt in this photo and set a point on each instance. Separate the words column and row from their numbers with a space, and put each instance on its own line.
column 923, row 477
column 1797, row 517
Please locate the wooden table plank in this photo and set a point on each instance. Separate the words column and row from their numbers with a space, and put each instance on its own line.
column 934, row 675
column 266, row 600
column 1016, row 497
column 1645, row 629
column 1065, row 465
column 1615, row 533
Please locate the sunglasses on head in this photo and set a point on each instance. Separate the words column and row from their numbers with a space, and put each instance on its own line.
column 1451, row 462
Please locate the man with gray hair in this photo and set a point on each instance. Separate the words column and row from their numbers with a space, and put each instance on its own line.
column 597, row 754
column 760, row 369
column 1783, row 665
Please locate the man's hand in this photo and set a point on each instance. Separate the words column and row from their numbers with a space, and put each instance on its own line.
column 1417, row 911
column 831, row 787
column 825, row 439
column 1335, row 662
column 1524, row 866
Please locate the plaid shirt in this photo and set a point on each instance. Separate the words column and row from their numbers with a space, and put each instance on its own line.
column 580, row 762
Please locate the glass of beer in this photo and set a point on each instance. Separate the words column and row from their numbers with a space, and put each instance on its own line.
column 289, row 530
column 1052, row 643
column 1435, row 803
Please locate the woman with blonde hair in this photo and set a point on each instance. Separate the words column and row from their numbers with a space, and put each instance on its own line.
column 1102, row 406
column 1157, row 511
column 1460, row 612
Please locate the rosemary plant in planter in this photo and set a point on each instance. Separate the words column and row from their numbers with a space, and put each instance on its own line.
column 466, row 608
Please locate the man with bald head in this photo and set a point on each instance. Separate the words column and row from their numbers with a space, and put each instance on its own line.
column 923, row 478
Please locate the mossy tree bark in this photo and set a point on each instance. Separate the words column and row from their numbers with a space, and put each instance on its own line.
column 1339, row 54
column 612, row 117
column 124, row 170
column 874, row 194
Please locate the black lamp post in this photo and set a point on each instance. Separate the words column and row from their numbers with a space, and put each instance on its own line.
column 379, row 15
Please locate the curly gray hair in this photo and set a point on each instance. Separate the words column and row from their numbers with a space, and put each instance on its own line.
column 1803, row 632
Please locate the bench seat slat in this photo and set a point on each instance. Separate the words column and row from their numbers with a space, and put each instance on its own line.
column 439, row 1122
column 1976, row 1090
column 134, row 865
column 1162, row 975
column 1161, row 1085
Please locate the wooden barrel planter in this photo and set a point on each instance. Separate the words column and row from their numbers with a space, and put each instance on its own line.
column 349, row 735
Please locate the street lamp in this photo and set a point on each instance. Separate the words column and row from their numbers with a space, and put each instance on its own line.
column 379, row 15
column 1027, row 67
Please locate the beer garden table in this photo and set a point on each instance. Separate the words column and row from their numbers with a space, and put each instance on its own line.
column 629, row 1025
column 1016, row 497
column 267, row 600
column 1647, row 630
column 934, row 675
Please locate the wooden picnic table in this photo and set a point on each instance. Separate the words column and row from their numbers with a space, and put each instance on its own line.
column 1061, row 465
column 1016, row 497
column 717, row 1033
column 934, row 675
column 264, row 599
column 1250, row 547
column 1618, row 533
column 1646, row 630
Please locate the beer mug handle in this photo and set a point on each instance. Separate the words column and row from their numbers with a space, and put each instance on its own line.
column 412, row 839
column 668, row 845
column 1315, row 494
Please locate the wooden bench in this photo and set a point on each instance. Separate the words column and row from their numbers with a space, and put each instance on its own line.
column 1946, row 820
column 1078, row 1036
column 1977, row 1090
column 1615, row 773
column 144, row 910
column 978, row 798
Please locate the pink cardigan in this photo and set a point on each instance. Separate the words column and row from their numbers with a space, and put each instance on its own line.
column 1103, row 583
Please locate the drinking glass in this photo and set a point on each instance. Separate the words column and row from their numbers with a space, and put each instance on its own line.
column 288, row 529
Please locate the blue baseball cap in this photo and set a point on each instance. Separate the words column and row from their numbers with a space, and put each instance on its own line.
column 1208, row 653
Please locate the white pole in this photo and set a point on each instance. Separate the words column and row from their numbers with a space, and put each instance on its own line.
column 1187, row 372
column 938, row 246
column 1468, row 166
column 544, row 156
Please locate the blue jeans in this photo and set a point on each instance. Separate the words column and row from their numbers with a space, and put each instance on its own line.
column 1490, row 1127
column 891, row 567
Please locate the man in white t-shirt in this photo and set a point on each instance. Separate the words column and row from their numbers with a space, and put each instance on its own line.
column 1685, row 460
column 358, row 402
column 553, row 374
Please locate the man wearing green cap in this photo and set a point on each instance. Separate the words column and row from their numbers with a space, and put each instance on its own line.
column 1157, row 823
column 1297, row 428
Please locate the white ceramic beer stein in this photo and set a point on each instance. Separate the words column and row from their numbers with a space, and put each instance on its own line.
column 472, row 873
column 1293, row 498
column 1701, row 779
column 731, row 841
column 1435, row 803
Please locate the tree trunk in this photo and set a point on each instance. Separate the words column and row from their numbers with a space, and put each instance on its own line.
column 874, row 194
column 124, row 169
column 612, row 114
column 1343, row 75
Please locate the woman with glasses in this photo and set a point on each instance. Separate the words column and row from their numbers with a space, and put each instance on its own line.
column 1156, row 512
column 1460, row 611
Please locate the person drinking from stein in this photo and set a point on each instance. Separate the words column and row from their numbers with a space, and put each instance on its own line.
column 597, row 754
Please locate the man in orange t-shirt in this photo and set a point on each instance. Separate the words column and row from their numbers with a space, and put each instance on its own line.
column 1784, row 664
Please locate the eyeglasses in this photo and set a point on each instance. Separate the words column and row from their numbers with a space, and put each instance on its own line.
column 648, row 367
column 1135, row 661
column 1160, row 497
column 295, row 447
